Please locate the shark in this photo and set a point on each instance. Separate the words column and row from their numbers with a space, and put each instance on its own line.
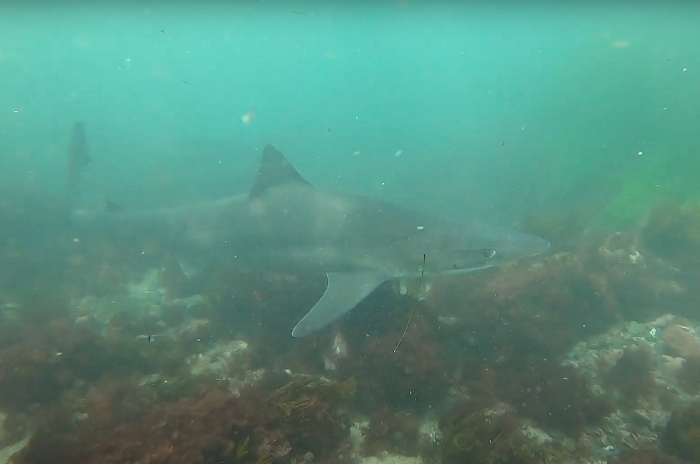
column 286, row 224
column 78, row 157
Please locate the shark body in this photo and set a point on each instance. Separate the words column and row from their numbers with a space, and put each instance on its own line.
column 286, row 224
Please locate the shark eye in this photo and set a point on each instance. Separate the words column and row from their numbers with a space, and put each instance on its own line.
column 488, row 253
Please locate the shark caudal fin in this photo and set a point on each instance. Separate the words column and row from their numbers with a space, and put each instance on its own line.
column 78, row 156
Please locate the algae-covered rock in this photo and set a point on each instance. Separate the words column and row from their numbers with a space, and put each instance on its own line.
column 492, row 436
column 682, row 435
column 672, row 232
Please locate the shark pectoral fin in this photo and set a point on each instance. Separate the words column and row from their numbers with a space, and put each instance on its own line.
column 345, row 290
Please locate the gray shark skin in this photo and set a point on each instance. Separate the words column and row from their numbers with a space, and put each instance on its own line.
column 286, row 224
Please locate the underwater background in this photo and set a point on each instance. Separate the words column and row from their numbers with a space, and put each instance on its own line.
column 574, row 122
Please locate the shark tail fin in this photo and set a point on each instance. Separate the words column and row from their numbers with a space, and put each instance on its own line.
column 78, row 156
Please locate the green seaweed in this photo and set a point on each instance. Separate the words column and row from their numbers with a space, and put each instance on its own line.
column 643, row 187
column 288, row 407
column 302, row 392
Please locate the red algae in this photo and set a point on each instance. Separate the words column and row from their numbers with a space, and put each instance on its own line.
column 412, row 375
column 38, row 362
column 211, row 426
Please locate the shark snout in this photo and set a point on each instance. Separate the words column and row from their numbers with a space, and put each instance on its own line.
column 516, row 245
column 529, row 245
column 540, row 245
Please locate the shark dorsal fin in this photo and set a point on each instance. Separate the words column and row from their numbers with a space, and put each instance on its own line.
column 275, row 170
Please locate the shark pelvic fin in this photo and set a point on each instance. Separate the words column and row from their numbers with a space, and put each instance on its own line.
column 275, row 170
column 344, row 291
